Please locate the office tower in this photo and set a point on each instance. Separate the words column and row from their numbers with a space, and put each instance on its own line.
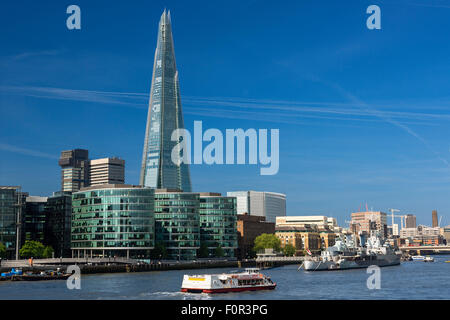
column 370, row 221
column 113, row 220
column 164, row 116
column 59, row 214
column 218, row 223
column 259, row 203
column 74, row 169
column 106, row 171
column 410, row 221
column 11, row 208
column 435, row 218
column 34, row 219
column 177, row 223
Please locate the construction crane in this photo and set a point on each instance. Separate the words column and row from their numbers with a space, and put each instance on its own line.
column 402, row 218
column 392, row 214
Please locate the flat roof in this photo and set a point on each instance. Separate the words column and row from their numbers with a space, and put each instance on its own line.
column 112, row 186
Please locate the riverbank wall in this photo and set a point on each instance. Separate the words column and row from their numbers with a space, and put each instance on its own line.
column 143, row 267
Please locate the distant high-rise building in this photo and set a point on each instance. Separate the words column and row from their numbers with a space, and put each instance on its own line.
column 410, row 221
column 106, row 171
column 80, row 172
column 74, row 169
column 164, row 116
column 370, row 221
column 260, row 203
column 435, row 218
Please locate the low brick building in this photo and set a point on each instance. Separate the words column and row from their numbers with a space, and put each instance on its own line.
column 248, row 228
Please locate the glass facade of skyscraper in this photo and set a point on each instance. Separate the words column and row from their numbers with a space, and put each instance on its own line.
column 113, row 220
column 218, row 220
column 177, row 223
column 8, row 218
column 34, row 219
column 164, row 116
column 59, row 214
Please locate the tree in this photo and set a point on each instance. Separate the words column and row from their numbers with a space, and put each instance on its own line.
column 289, row 250
column 203, row 252
column 48, row 252
column 267, row 241
column 2, row 250
column 219, row 252
column 159, row 252
column 33, row 249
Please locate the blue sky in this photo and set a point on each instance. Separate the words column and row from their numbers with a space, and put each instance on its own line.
column 363, row 114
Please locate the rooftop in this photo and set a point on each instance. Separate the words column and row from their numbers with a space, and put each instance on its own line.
column 111, row 186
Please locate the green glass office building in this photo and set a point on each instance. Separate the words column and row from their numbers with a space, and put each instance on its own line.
column 218, row 221
column 113, row 221
column 177, row 223
column 59, row 214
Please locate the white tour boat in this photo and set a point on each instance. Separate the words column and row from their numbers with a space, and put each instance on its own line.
column 249, row 280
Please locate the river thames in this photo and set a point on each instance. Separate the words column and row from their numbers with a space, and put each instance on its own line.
column 410, row 280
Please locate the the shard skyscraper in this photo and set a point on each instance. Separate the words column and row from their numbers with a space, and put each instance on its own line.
column 164, row 116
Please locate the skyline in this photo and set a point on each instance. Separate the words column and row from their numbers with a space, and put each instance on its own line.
column 363, row 115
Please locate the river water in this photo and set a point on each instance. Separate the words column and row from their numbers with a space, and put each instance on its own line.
column 410, row 280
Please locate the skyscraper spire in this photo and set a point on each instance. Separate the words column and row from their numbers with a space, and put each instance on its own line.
column 164, row 116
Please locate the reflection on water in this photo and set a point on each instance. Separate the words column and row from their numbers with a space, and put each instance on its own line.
column 410, row 280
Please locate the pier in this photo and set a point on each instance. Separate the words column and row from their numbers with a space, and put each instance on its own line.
column 113, row 265
column 272, row 262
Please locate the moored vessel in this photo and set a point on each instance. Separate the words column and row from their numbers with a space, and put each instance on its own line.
column 43, row 275
column 249, row 280
column 343, row 256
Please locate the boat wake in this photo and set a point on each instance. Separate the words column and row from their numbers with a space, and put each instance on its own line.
column 174, row 295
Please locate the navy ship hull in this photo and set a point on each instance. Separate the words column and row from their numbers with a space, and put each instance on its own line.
column 343, row 263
